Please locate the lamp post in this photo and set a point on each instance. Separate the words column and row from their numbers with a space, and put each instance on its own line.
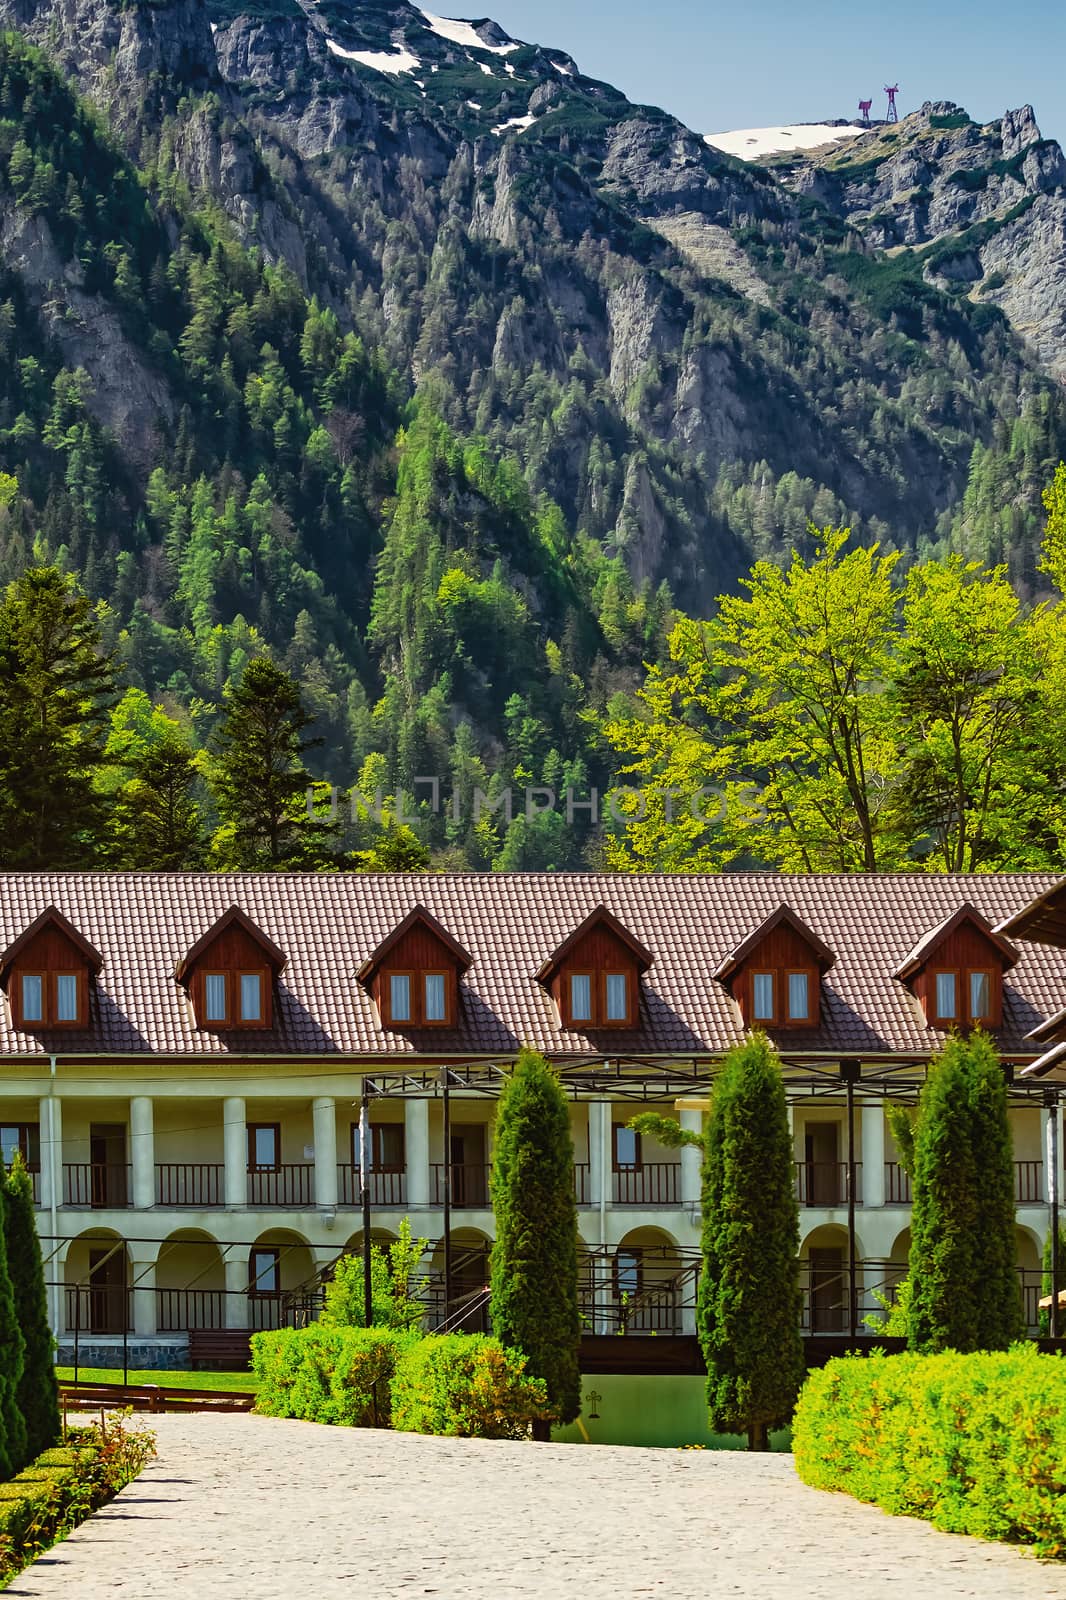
column 364, row 1185
column 850, row 1072
column 1051, row 1102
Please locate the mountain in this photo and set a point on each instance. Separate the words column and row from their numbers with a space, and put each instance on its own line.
column 444, row 369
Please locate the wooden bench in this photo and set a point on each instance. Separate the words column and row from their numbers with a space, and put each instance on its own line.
column 220, row 1349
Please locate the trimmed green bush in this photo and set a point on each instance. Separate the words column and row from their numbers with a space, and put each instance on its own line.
column 466, row 1385
column 972, row 1443
column 324, row 1374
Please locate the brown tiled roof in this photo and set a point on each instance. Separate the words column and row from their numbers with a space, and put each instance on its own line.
column 329, row 924
column 783, row 916
column 936, row 936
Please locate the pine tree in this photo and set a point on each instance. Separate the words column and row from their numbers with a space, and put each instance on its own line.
column 56, row 686
column 749, row 1297
column 965, row 1292
column 37, row 1393
column 534, row 1260
column 259, row 780
column 13, row 1431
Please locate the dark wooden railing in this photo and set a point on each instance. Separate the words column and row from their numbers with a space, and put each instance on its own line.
column 107, row 1309
column 825, row 1183
column 1028, row 1182
column 267, row 1311
column 178, row 1310
column 469, row 1181
column 581, row 1184
column 182, row 1183
column 388, row 1186
column 91, row 1183
column 656, row 1183
column 897, row 1185
column 291, row 1184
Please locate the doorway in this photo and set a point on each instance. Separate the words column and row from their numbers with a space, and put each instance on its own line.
column 827, row 1290
column 469, row 1172
column 108, row 1296
column 821, row 1159
column 107, row 1160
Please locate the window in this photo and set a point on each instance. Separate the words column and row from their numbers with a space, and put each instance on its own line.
column 24, row 1139
column 251, row 997
column 435, row 998
column 215, row 996
column 32, row 997
column 386, row 1146
column 66, row 997
column 980, row 996
column 762, row 996
column 626, row 1147
column 580, row 997
column 264, row 1146
column 264, row 1276
column 400, row 997
column 627, row 1273
column 946, row 1002
column 617, row 997
column 798, row 997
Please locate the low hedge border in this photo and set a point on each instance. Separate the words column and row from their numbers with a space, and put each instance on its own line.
column 66, row 1484
column 972, row 1443
column 462, row 1384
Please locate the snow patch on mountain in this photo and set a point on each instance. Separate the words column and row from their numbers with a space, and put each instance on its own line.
column 464, row 33
column 514, row 122
column 377, row 60
column 750, row 144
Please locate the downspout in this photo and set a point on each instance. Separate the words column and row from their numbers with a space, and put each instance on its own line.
column 53, row 1187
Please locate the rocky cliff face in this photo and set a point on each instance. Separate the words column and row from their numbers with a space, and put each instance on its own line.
column 982, row 207
column 648, row 324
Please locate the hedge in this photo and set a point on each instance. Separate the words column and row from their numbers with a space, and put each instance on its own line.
column 333, row 1375
column 972, row 1443
column 458, row 1384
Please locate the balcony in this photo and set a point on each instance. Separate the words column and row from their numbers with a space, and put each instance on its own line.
column 195, row 1184
column 1028, row 1184
column 179, row 1310
column 290, row 1184
column 581, row 1184
column 469, row 1184
column 825, row 1183
column 93, row 1184
column 655, row 1183
column 103, row 1309
column 388, row 1186
column 897, row 1185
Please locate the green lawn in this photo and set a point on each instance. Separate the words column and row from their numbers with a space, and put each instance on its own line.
column 242, row 1381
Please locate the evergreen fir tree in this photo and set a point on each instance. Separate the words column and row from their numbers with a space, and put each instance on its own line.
column 259, row 779
column 749, row 1297
column 1047, row 1284
column 13, row 1432
column 56, row 685
column 534, row 1259
column 997, row 1290
column 37, row 1392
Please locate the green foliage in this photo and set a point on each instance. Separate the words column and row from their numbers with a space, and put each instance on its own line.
column 13, row 1430
column 36, row 1391
column 331, row 1374
column 468, row 1386
column 667, row 1130
column 972, row 1443
column 965, row 1291
column 392, row 1267
column 534, row 1301
column 1047, row 1283
column 748, row 1312
column 896, row 1312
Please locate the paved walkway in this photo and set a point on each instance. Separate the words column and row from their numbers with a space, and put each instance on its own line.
column 249, row 1508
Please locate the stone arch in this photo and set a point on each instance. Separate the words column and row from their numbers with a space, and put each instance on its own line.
column 468, row 1309
column 96, row 1279
column 190, row 1282
column 645, row 1281
column 824, row 1278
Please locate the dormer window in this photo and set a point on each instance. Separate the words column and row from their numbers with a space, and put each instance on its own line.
column 46, row 974
column 413, row 975
column 594, row 975
column 229, row 974
column 955, row 972
column 775, row 974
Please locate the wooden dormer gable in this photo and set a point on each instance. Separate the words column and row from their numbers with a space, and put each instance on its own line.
column 414, row 974
column 956, row 971
column 230, row 974
column 594, row 975
column 775, row 974
column 47, row 974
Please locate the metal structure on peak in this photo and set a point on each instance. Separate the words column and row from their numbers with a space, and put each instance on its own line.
column 864, row 108
column 892, row 114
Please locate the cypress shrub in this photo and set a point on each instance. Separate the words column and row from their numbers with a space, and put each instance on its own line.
column 534, row 1300
column 749, row 1297
column 965, row 1293
column 13, row 1455
column 37, row 1392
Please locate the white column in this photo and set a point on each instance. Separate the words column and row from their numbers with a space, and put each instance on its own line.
column 142, row 1281
column 691, row 1160
column 235, row 1148
column 324, row 1113
column 236, row 1265
column 142, row 1151
column 50, row 1114
column 416, row 1151
column 872, row 1187
column 599, row 1157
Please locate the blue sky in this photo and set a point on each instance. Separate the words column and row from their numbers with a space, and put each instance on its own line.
column 747, row 65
